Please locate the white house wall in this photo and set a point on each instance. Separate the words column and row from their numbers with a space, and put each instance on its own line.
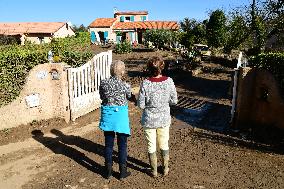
column 136, row 17
column 111, row 34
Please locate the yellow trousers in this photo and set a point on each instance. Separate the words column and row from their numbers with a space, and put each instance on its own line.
column 160, row 134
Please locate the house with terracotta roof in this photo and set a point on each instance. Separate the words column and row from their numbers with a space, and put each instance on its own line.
column 36, row 32
column 126, row 25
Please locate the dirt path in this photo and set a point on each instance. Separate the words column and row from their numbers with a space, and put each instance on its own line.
column 52, row 154
column 73, row 157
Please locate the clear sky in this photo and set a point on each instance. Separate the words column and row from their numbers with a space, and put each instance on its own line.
column 85, row 11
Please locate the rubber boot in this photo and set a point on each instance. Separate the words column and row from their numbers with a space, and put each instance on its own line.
column 166, row 158
column 108, row 170
column 153, row 164
column 123, row 171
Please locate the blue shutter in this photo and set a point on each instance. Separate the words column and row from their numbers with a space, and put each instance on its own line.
column 130, row 34
column 122, row 19
column 93, row 37
column 132, row 18
column 144, row 18
column 105, row 34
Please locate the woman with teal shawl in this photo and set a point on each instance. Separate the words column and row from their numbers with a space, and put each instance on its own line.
column 114, row 120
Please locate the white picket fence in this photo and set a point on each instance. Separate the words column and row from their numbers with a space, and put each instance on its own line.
column 84, row 84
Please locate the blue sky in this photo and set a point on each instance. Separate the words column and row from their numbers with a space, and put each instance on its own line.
column 85, row 11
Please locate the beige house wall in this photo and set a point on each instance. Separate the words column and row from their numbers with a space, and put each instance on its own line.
column 43, row 97
column 64, row 31
column 36, row 38
column 39, row 38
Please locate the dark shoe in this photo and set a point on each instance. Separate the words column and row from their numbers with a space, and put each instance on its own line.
column 153, row 164
column 108, row 170
column 123, row 171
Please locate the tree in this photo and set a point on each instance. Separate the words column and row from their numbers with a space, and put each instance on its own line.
column 199, row 32
column 194, row 30
column 160, row 37
column 274, row 11
column 186, row 24
column 238, row 31
column 81, row 28
column 216, row 29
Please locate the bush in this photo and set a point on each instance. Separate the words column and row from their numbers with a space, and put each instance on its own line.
column 14, row 66
column 122, row 48
column 75, row 58
column 273, row 62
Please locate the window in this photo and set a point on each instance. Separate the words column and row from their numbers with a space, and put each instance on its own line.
column 41, row 40
column 127, row 19
column 143, row 18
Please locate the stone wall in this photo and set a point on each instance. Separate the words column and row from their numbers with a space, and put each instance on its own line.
column 44, row 96
column 259, row 102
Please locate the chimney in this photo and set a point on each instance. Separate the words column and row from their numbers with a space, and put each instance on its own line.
column 115, row 10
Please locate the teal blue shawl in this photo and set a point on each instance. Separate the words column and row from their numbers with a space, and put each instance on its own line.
column 115, row 118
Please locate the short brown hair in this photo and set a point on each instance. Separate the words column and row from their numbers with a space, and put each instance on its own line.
column 155, row 66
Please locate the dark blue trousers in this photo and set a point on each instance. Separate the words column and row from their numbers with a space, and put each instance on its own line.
column 122, row 146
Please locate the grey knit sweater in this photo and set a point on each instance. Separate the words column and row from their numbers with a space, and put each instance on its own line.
column 155, row 98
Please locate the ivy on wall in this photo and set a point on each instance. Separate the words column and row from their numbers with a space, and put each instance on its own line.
column 273, row 62
column 16, row 61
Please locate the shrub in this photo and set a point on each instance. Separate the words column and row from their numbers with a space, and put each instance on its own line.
column 273, row 62
column 122, row 48
column 14, row 66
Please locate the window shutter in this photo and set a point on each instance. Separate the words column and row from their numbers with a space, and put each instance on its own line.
column 122, row 19
column 105, row 34
column 93, row 37
column 132, row 18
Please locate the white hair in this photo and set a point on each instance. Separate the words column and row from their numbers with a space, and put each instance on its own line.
column 117, row 68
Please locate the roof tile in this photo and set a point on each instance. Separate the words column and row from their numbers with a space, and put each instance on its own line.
column 147, row 25
column 29, row 27
column 102, row 22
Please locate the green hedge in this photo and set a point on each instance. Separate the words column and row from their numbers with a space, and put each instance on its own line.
column 16, row 61
column 273, row 62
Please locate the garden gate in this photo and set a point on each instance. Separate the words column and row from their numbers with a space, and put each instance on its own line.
column 84, row 82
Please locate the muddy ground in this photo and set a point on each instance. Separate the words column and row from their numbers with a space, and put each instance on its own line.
column 204, row 151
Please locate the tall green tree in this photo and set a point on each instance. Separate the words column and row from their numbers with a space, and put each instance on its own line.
column 216, row 29
column 194, row 32
column 238, row 31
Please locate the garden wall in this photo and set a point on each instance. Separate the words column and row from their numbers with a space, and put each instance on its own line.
column 259, row 102
column 44, row 96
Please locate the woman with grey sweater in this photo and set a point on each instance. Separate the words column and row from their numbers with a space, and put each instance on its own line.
column 156, row 95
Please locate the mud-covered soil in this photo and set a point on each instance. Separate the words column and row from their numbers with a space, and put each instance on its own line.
column 204, row 152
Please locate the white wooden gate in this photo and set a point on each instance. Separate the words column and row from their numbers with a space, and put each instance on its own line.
column 84, row 84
